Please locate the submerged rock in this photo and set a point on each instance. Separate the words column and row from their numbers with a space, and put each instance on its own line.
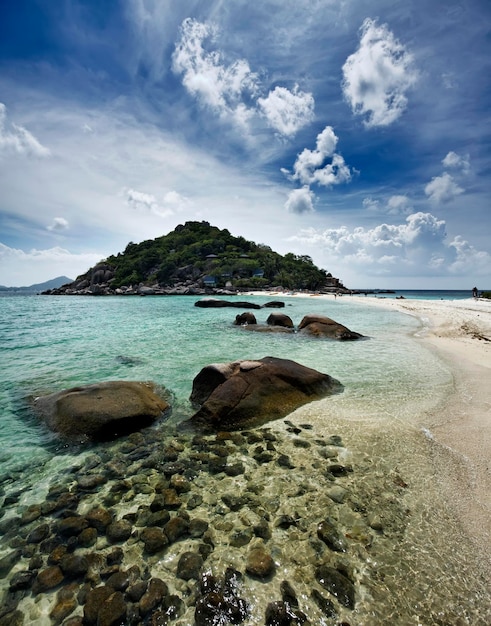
column 337, row 584
column 259, row 562
column 243, row 393
column 101, row 412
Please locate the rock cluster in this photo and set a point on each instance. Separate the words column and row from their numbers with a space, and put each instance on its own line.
column 148, row 542
column 313, row 325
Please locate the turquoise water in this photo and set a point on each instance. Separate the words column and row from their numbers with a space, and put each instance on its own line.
column 53, row 343
column 419, row 570
column 431, row 294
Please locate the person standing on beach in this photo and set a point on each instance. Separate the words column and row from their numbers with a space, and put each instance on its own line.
column 474, row 292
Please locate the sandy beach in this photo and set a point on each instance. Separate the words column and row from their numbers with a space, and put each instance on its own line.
column 459, row 331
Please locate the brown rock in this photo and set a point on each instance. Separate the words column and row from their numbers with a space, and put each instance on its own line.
column 119, row 531
column 38, row 534
column 93, row 603
column 31, row 513
column 154, row 539
column 320, row 326
column 99, row 518
column 65, row 604
column 245, row 318
column 155, row 593
column 249, row 393
column 71, row 526
column 259, row 562
column 101, row 412
column 189, row 566
column 87, row 537
column 48, row 579
column 89, row 482
column 176, row 527
column 74, row 565
column 279, row 319
column 112, row 611
column 171, row 499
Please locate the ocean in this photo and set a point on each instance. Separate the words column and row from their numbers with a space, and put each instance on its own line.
column 403, row 554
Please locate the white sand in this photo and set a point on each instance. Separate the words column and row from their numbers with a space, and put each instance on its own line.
column 460, row 333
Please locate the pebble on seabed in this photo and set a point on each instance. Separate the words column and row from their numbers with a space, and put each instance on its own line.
column 143, row 522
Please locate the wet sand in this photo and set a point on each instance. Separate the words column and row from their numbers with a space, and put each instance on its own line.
column 459, row 331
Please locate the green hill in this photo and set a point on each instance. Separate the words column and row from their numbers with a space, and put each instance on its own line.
column 198, row 256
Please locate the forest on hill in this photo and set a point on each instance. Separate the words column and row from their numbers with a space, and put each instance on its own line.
column 197, row 257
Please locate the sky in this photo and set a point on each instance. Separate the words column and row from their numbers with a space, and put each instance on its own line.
column 353, row 131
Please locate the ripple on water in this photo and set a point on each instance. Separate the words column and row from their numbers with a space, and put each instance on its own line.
column 323, row 524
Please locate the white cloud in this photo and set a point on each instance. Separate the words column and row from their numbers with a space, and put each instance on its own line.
column 58, row 224
column 378, row 75
column 309, row 166
column 300, row 201
column 370, row 204
column 17, row 139
column 455, row 161
column 398, row 205
column 20, row 268
column 206, row 76
column 287, row 111
column 442, row 189
column 416, row 247
column 231, row 90
column 171, row 203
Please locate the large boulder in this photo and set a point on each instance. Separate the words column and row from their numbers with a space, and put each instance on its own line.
column 320, row 326
column 207, row 303
column 279, row 319
column 248, row 393
column 102, row 411
column 245, row 318
column 274, row 304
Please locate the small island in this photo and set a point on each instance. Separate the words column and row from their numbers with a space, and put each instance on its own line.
column 198, row 259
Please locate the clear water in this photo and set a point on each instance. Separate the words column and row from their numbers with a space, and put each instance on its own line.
column 424, row 572
column 52, row 343
column 429, row 294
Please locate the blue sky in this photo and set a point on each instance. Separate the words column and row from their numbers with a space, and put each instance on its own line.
column 354, row 132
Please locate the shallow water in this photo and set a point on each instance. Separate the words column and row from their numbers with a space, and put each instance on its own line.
column 417, row 568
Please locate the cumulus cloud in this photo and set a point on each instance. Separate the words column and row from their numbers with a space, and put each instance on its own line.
column 19, row 268
column 442, row 189
column 205, row 75
column 455, row 161
column 300, row 201
column 378, row 75
column 232, row 90
column 311, row 167
column 287, row 111
column 417, row 246
column 58, row 224
column 15, row 139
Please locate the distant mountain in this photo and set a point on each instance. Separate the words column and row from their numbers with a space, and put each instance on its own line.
column 54, row 283
column 198, row 258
